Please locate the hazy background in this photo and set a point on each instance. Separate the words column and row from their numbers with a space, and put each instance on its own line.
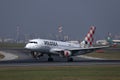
column 42, row 17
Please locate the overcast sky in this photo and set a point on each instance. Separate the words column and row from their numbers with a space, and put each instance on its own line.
column 42, row 17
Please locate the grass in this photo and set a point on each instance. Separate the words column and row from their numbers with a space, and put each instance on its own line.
column 114, row 55
column 105, row 72
column 12, row 45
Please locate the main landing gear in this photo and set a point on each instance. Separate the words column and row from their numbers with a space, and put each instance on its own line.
column 69, row 59
column 50, row 59
column 37, row 56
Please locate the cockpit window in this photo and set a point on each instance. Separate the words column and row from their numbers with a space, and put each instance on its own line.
column 33, row 42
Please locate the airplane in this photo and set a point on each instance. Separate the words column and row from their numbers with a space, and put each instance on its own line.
column 39, row 47
column 113, row 43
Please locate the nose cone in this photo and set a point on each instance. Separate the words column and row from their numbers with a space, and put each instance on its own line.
column 31, row 46
column 28, row 46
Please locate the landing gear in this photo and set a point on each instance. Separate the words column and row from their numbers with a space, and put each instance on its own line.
column 36, row 55
column 50, row 59
column 70, row 59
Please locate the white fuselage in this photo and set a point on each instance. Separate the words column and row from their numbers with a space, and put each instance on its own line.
column 44, row 45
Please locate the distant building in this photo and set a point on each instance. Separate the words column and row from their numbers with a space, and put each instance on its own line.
column 9, row 40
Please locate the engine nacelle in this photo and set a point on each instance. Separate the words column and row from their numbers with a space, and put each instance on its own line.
column 67, row 53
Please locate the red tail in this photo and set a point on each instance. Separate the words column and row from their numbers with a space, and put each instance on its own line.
column 89, row 37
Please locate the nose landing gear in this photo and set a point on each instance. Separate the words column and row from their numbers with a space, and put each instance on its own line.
column 36, row 55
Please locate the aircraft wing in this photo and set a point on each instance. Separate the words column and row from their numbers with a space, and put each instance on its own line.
column 81, row 50
column 89, row 48
column 86, row 50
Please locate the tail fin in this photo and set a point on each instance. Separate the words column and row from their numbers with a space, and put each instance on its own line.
column 87, row 42
column 109, row 39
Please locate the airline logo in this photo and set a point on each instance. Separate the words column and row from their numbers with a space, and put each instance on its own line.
column 50, row 43
column 89, row 38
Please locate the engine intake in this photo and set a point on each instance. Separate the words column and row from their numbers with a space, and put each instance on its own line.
column 67, row 53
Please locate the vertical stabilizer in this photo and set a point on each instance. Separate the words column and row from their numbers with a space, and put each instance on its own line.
column 87, row 42
column 109, row 39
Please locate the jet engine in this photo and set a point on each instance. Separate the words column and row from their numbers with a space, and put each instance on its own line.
column 67, row 53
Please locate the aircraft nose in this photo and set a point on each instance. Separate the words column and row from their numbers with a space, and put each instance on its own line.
column 27, row 46
column 31, row 46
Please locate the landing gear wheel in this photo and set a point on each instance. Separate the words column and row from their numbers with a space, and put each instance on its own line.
column 33, row 54
column 50, row 59
column 70, row 59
